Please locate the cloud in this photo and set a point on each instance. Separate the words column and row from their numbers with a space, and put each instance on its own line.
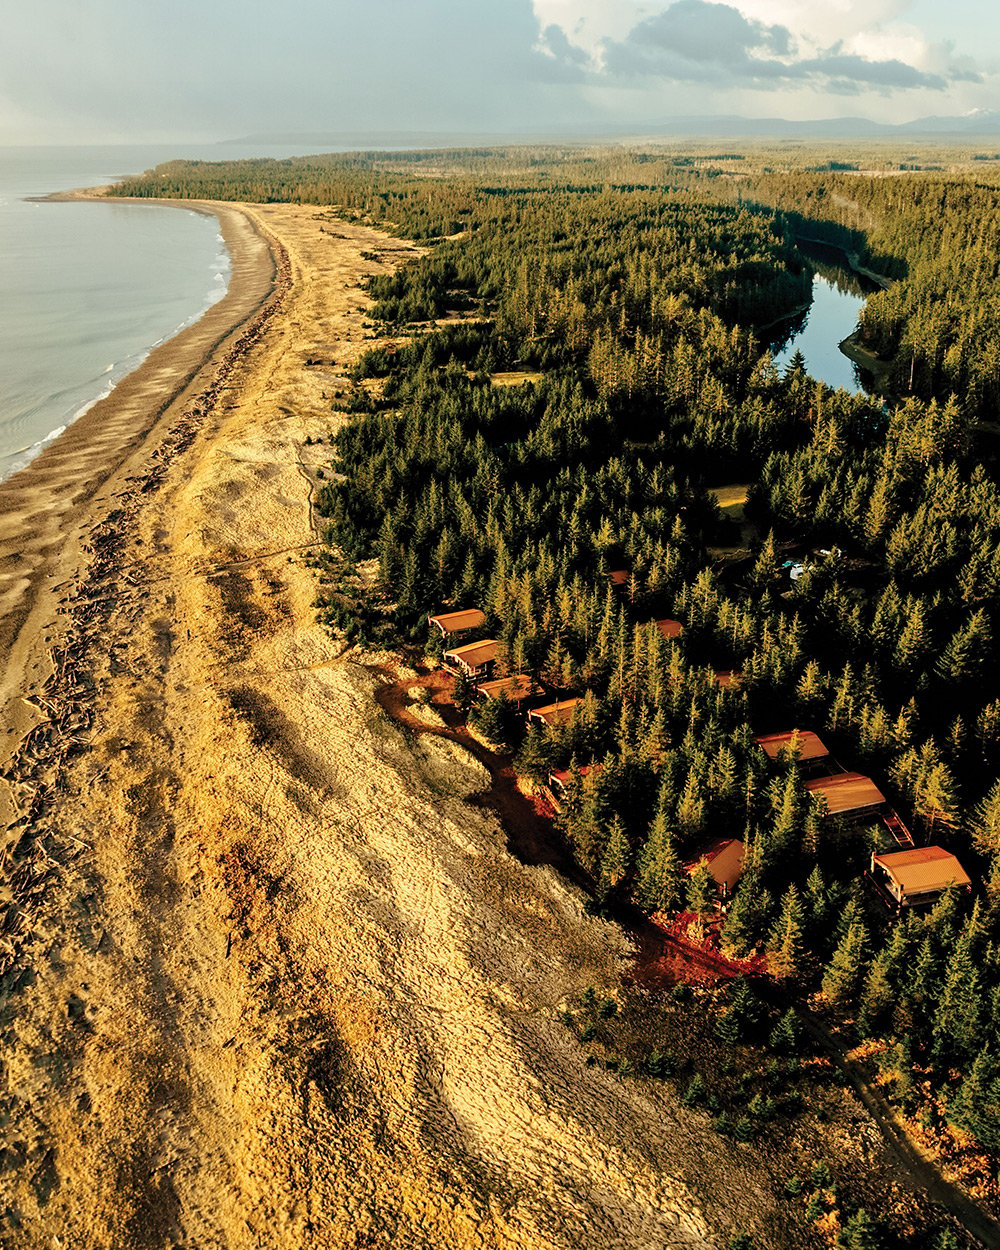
column 719, row 44
column 695, row 40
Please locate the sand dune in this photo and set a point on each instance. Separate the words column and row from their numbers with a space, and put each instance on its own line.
column 272, row 981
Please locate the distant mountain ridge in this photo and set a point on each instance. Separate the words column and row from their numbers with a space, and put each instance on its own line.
column 980, row 122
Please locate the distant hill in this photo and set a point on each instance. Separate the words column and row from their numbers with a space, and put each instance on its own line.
column 970, row 125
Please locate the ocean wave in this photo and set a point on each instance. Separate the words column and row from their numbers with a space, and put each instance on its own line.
column 67, row 404
column 24, row 455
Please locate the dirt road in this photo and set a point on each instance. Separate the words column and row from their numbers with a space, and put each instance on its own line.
column 270, row 980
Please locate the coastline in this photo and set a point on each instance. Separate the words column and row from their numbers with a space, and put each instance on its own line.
column 275, row 979
column 285, row 937
column 45, row 506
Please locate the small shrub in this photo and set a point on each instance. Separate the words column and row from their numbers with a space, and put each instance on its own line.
column 744, row 1130
column 723, row 1124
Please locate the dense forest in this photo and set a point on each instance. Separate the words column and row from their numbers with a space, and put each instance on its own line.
column 627, row 295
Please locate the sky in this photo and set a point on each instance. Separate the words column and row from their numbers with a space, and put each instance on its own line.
column 105, row 71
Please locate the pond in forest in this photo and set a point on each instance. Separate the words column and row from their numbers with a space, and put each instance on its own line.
column 838, row 295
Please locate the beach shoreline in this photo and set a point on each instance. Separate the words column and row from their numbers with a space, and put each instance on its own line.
column 46, row 506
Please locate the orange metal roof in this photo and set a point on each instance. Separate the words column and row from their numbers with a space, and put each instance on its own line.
column 727, row 679
column 922, row 869
column 474, row 653
column 458, row 622
column 619, row 577
column 553, row 712
column 847, row 792
column 562, row 775
column 810, row 746
column 516, row 687
column 725, row 861
column 669, row 629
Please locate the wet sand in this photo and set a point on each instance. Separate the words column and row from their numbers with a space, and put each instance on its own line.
column 269, row 980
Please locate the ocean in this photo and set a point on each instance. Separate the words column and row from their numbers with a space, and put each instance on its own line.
column 88, row 290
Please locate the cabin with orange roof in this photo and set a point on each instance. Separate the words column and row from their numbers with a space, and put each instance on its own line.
column 725, row 863
column 517, row 688
column 452, row 624
column 475, row 660
column 554, row 713
column 848, row 795
column 809, row 746
column 669, row 629
column 918, row 876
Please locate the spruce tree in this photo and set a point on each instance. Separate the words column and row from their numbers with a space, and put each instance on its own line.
column 842, row 977
column 786, row 946
column 786, row 1036
column 976, row 1106
column 702, row 894
column 742, row 1017
column 660, row 878
column 616, row 858
column 741, row 925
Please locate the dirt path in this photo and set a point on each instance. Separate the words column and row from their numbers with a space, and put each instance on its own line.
column 270, row 981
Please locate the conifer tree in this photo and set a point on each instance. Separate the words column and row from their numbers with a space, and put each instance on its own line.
column 742, row 1016
column 701, row 890
column 841, row 980
column 660, row 879
column 616, row 858
column 976, row 1107
column 741, row 925
column 786, row 1036
column 786, row 946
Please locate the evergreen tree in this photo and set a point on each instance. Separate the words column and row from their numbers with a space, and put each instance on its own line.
column 740, row 927
column 976, row 1107
column 786, row 1036
column 616, row 858
column 742, row 1017
column 842, row 977
column 785, row 949
column 660, row 878
column 702, row 894
column 860, row 1233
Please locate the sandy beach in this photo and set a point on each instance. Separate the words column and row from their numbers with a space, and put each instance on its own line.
column 270, row 980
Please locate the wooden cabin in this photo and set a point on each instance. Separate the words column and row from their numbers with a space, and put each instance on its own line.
column 725, row 863
column 619, row 577
column 810, row 747
column 849, row 795
column 669, row 629
column 917, row 876
column 474, row 660
column 451, row 624
column 554, row 713
column 560, row 779
column 727, row 679
column 515, row 689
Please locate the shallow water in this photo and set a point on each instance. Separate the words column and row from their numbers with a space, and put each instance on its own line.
column 87, row 290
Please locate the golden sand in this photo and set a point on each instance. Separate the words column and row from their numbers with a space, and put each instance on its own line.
column 271, row 981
